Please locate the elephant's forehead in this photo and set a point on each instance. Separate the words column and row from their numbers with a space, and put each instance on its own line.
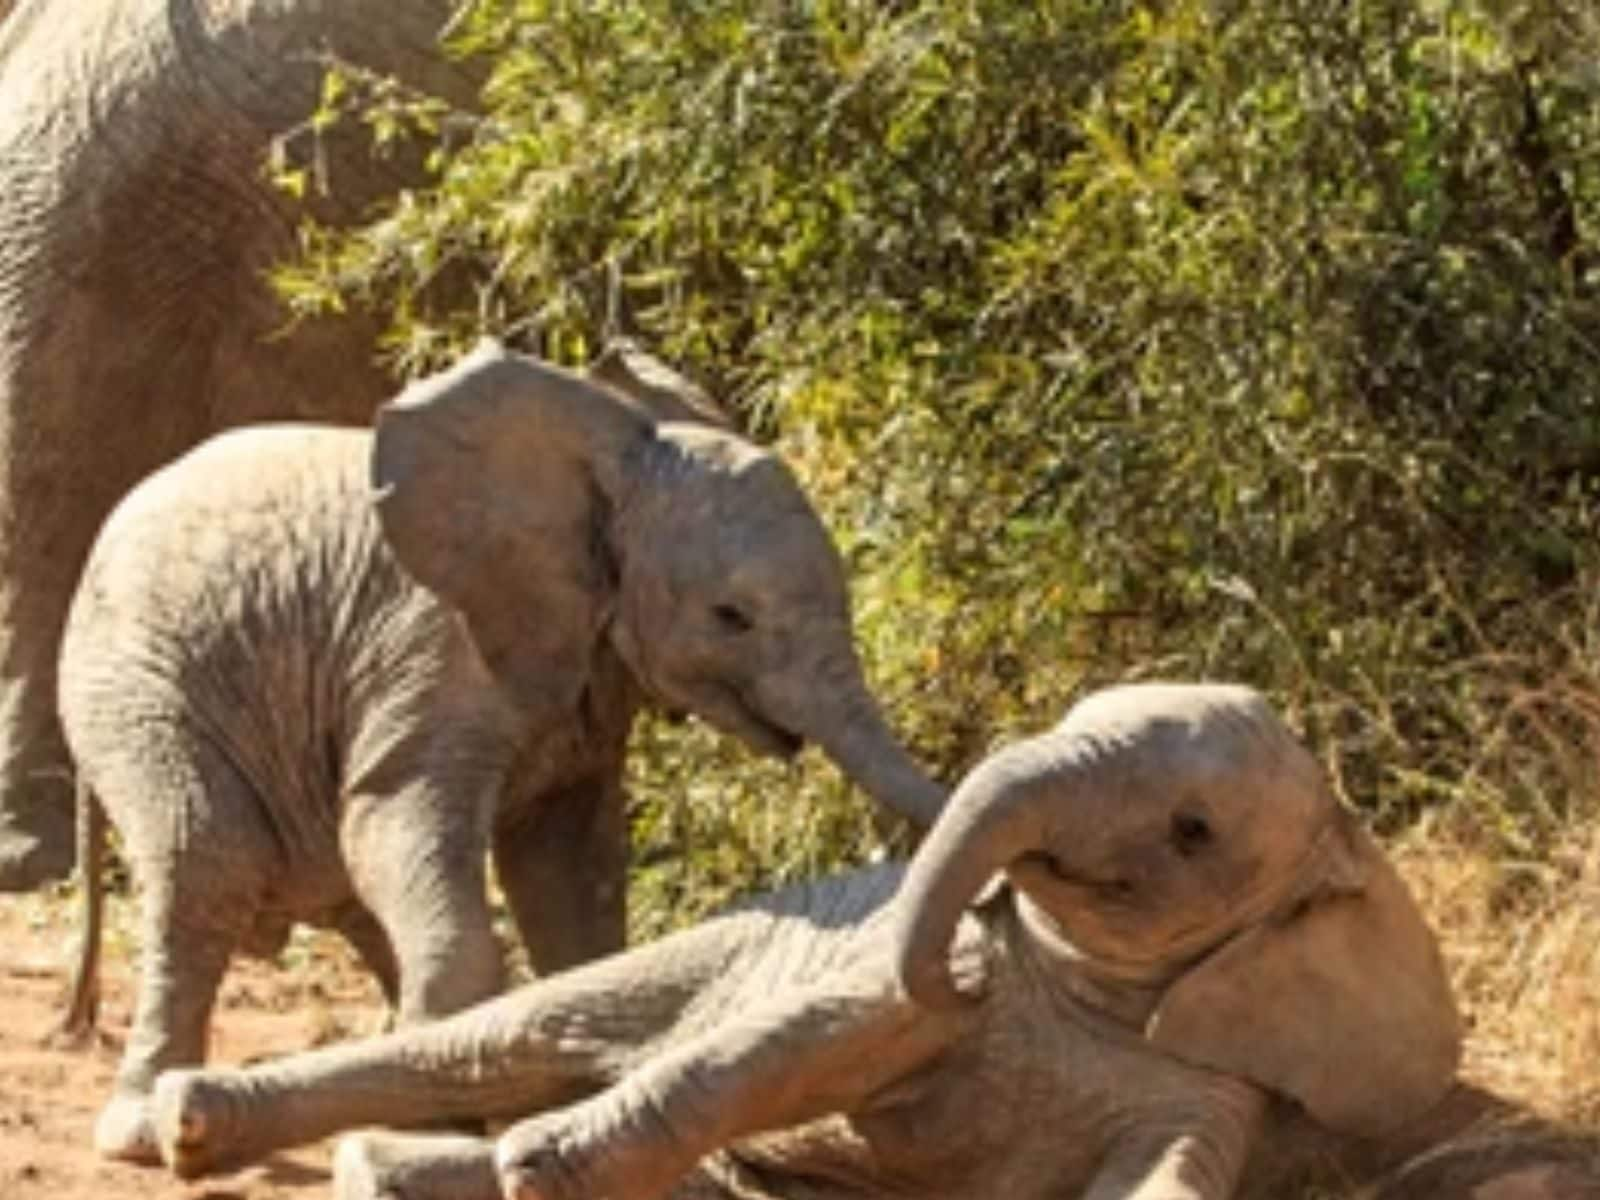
column 1201, row 727
column 1187, row 704
column 755, row 520
column 707, row 473
column 1222, row 742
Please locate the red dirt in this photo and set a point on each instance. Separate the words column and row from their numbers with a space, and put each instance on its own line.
column 49, row 1097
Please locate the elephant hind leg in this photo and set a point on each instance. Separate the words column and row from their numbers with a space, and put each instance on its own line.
column 373, row 1165
column 201, row 857
column 180, row 970
column 408, row 1166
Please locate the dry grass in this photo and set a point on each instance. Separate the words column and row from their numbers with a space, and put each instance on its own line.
column 1523, row 944
column 1507, row 869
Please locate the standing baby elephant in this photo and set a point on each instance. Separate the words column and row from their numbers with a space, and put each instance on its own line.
column 298, row 704
column 1121, row 939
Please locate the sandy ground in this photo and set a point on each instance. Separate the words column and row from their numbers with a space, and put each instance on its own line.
column 49, row 1096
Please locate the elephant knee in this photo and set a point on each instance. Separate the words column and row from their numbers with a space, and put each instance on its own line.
column 448, row 977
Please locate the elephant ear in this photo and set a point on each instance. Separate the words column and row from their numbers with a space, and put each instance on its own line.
column 654, row 386
column 492, row 482
column 1342, row 1003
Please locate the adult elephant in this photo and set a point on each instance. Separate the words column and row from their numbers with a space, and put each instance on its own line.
column 135, row 227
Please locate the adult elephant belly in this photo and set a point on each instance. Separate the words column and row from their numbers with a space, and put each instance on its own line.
column 136, row 226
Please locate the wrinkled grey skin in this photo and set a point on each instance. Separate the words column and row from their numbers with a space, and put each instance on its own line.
column 1185, row 934
column 285, row 725
column 136, row 227
column 1472, row 1145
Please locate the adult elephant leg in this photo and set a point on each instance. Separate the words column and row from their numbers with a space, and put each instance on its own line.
column 63, row 464
column 563, row 867
column 36, row 812
column 136, row 227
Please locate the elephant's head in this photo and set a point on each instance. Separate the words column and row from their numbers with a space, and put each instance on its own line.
column 1178, row 837
column 557, row 511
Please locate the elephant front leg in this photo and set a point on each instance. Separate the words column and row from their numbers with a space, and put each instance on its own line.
column 562, row 861
column 544, row 1044
column 1192, row 1148
column 36, row 809
column 791, row 1060
column 416, row 861
column 362, row 931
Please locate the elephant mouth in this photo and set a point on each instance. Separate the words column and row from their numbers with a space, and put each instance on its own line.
column 768, row 738
column 1040, row 873
column 1108, row 916
column 725, row 708
column 731, row 711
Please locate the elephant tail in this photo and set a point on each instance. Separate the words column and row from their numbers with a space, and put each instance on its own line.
column 83, row 996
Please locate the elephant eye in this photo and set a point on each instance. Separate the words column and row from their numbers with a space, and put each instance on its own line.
column 731, row 618
column 1190, row 833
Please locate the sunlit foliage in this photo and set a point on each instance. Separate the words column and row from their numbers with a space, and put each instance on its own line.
column 1251, row 339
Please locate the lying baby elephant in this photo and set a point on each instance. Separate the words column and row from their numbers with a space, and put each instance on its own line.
column 296, row 704
column 1185, row 924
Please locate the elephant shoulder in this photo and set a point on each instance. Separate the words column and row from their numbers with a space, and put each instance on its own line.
column 841, row 901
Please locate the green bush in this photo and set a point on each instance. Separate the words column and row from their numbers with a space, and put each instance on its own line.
column 1252, row 339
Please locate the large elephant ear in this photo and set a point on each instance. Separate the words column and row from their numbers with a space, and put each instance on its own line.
column 492, row 482
column 1342, row 1003
column 662, row 392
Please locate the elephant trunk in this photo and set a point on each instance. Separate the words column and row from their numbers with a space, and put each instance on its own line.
column 994, row 817
column 855, row 735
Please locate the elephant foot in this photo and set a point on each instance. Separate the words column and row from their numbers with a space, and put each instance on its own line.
column 124, row 1131
column 393, row 1166
column 33, row 856
column 565, row 1152
column 197, row 1126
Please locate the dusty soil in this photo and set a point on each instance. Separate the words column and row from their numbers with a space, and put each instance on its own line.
column 49, row 1096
